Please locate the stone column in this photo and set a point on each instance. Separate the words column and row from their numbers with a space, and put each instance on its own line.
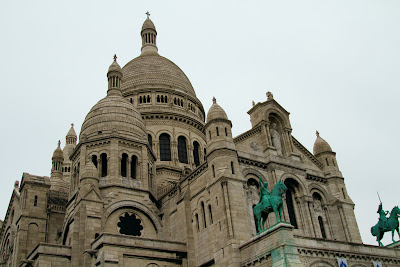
column 224, row 185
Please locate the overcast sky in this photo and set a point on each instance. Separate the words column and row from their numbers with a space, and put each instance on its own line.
column 334, row 65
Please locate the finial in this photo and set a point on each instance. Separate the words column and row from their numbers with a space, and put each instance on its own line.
column 214, row 100
column 59, row 143
column 317, row 133
column 253, row 103
column 72, row 124
column 115, row 57
column 148, row 14
column 270, row 95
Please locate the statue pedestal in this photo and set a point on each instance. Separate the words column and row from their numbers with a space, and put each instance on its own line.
column 275, row 245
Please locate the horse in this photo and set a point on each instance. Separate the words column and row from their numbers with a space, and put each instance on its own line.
column 274, row 204
column 393, row 223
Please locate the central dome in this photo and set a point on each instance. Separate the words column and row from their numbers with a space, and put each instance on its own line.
column 154, row 71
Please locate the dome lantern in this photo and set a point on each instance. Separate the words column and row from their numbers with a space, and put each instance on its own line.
column 149, row 36
column 114, row 76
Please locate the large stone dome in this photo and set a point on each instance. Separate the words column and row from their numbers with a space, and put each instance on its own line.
column 113, row 115
column 150, row 70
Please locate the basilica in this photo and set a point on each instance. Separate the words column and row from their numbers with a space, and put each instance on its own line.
column 155, row 180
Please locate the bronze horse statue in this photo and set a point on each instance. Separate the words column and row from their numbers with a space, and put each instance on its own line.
column 392, row 224
column 273, row 203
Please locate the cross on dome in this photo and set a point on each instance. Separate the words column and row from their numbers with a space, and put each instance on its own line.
column 59, row 143
column 214, row 100
column 148, row 14
column 72, row 125
column 317, row 133
column 115, row 57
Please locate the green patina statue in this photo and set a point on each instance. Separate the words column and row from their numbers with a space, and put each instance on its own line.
column 386, row 224
column 269, row 202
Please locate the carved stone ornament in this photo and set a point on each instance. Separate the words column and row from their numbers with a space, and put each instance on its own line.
column 255, row 146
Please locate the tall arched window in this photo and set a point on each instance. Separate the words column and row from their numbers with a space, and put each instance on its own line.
column 182, row 151
column 292, row 186
column 94, row 160
column 165, row 147
column 124, row 164
column 232, row 168
column 321, row 226
column 210, row 211
column 133, row 167
column 196, row 155
column 204, row 214
column 103, row 158
column 150, row 140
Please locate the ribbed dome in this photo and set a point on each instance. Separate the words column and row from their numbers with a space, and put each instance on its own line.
column 216, row 112
column 148, row 24
column 153, row 70
column 58, row 153
column 113, row 114
column 321, row 146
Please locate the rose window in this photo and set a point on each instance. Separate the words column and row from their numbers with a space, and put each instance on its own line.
column 130, row 224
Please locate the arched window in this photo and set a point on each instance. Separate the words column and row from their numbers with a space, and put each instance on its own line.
column 205, row 154
column 148, row 99
column 158, row 99
column 209, row 134
column 150, row 140
column 217, row 131
column 290, row 207
column 140, row 100
column 210, row 211
column 327, row 163
column 35, row 201
column 124, row 164
column 204, row 214
column 213, row 171
column 94, row 160
column 103, row 158
column 165, row 147
column 226, row 131
column 162, row 99
column 322, row 227
column 197, row 222
column 196, row 155
column 166, row 99
column 233, row 170
column 133, row 167
column 182, row 151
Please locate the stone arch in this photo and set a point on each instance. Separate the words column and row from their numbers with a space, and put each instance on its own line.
column 295, row 189
column 254, row 172
column 321, row 263
column 160, row 132
column 135, row 205
column 281, row 117
column 316, row 188
column 303, row 189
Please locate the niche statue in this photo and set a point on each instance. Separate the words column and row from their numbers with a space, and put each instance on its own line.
column 276, row 139
column 269, row 201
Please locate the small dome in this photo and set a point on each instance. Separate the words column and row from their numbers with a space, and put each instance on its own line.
column 114, row 66
column 216, row 112
column 148, row 24
column 58, row 153
column 113, row 114
column 321, row 146
column 71, row 132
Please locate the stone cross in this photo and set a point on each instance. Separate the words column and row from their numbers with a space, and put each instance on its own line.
column 115, row 57
column 214, row 100
column 148, row 14
column 59, row 143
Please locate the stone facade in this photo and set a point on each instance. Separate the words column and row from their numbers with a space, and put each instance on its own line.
column 153, row 181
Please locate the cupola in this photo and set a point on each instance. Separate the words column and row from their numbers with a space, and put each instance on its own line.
column 70, row 138
column 114, row 76
column 149, row 36
column 323, row 152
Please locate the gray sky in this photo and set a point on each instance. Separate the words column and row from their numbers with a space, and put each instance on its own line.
column 333, row 64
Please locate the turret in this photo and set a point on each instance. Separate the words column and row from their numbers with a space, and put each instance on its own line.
column 218, row 131
column 56, row 178
column 149, row 36
column 323, row 152
column 114, row 76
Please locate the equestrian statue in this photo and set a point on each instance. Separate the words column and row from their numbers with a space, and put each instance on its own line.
column 269, row 201
column 386, row 224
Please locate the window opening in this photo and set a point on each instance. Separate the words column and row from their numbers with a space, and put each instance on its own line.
column 196, row 156
column 150, row 140
column 213, row 171
column 133, row 167
column 130, row 224
column 124, row 160
column 217, row 132
column 35, row 201
column 210, row 211
column 204, row 214
column 322, row 227
column 290, row 207
column 165, row 147
column 233, row 170
column 327, row 163
column 182, row 151
column 94, row 160
column 226, row 131
column 103, row 158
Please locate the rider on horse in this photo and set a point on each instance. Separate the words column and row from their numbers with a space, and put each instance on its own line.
column 383, row 221
column 264, row 194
